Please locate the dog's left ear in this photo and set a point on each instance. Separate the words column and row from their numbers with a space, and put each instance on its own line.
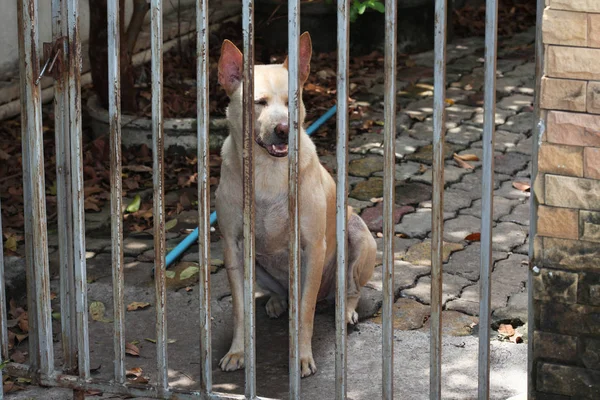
column 305, row 55
column 230, row 67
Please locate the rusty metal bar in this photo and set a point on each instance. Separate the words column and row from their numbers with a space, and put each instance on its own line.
column 437, row 221
column 63, row 194
column 158, row 173
column 116, row 194
column 538, row 131
column 204, row 194
column 248, row 188
column 295, row 130
column 77, row 190
column 343, row 40
column 34, row 188
column 3, row 320
column 389, row 160
column 487, row 197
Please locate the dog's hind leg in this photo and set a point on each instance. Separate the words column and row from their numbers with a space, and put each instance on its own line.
column 277, row 303
column 362, row 251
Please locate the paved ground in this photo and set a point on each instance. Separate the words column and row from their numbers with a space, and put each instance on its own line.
column 412, row 277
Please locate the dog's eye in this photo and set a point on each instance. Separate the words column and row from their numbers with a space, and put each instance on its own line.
column 261, row 102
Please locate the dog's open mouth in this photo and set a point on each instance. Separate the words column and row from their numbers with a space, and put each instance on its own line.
column 276, row 150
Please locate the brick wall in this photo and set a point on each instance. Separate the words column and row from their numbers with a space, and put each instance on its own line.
column 566, row 343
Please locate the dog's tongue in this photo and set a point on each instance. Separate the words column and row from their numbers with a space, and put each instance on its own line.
column 280, row 148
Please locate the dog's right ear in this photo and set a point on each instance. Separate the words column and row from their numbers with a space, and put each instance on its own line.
column 230, row 67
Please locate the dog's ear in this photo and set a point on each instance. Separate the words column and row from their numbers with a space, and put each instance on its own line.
column 305, row 55
column 230, row 67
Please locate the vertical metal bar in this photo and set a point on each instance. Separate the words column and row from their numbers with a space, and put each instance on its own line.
column 293, row 169
column 3, row 321
column 114, row 111
column 487, row 198
column 63, row 191
column 389, row 199
column 204, row 194
column 158, row 182
column 29, row 270
column 77, row 190
column 248, row 168
column 437, row 222
column 536, row 137
column 33, row 177
column 343, row 40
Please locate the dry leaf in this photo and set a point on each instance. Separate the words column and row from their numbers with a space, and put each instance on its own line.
column 134, row 372
column 93, row 392
column 379, row 234
column 188, row 289
column 376, row 199
column 461, row 163
column 132, row 349
column 139, row 379
column 474, row 237
column 422, row 168
column 18, row 357
column 97, row 311
column 516, row 338
column 52, row 296
column 137, row 305
column 24, row 322
column 522, row 186
column 467, row 157
column 11, row 242
column 506, row 330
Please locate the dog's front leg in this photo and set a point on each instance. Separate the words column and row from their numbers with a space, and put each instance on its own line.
column 234, row 359
column 315, row 258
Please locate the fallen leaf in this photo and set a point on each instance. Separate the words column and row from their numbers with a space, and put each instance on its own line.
column 171, row 224
column 137, row 305
column 24, row 322
column 132, row 350
column 139, row 379
column 473, row 237
column 170, row 274
column 379, row 234
column 11, row 242
column 56, row 316
column 506, row 330
column 137, row 168
column 516, row 338
column 93, row 392
column 188, row 289
column 21, row 337
column 134, row 372
column 169, row 341
column 18, row 357
column 422, row 168
column 376, row 200
column 461, row 163
column 449, row 102
column 10, row 386
column 189, row 272
column 467, row 157
column 134, row 206
column 97, row 310
column 522, row 186
column 52, row 296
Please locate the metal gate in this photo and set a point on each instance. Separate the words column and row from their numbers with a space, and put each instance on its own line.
column 65, row 59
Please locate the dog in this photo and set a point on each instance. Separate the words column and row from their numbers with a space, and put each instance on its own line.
column 317, row 206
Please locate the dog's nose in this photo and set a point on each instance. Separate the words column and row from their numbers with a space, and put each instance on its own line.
column 282, row 130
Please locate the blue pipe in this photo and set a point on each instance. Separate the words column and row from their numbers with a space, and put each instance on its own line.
column 192, row 237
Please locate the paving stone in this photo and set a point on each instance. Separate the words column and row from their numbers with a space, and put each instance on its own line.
column 524, row 146
column 459, row 113
column 358, row 205
column 508, row 235
column 526, row 173
column 510, row 192
column 366, row 190
column 471, row 81
column 500, row 117
column 134, row 247
column 403, row 171
column 366, row 166
column 523, row 249
column 457, row 229
column 362, row 143
column 510, row 163
column 464, row 134
column 520, row 123
column 516, row 102
column 373, row 216
column 401, row 245
column 97, row 244
column 504, row 141
column 412, row 193
column 454, row 200
column 420, row 253
column 508, row 85
column 502, row 207
column 424, row 130
column 458, row 95
column 404, row 145
column 424, row 154
column 405, row 275
column 525, row 70
column 471, row 183
column 452, row 285
column 420, row 110
column 467, row 263
column 519, row 214
column 516, row 308
column 454, row 324
column 409, row 314
column 417, row 224
column 452, row 174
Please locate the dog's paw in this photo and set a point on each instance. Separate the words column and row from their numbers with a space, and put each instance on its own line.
column 351, row 317
column 276, row 306
column 232, row 361
column 307, row 366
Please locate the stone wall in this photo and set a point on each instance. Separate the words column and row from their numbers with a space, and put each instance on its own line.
column 566, row 343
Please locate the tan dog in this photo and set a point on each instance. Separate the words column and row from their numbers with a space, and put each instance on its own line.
column 316, row 202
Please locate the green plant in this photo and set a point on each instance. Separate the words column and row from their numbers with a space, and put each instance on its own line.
column 359, row 7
